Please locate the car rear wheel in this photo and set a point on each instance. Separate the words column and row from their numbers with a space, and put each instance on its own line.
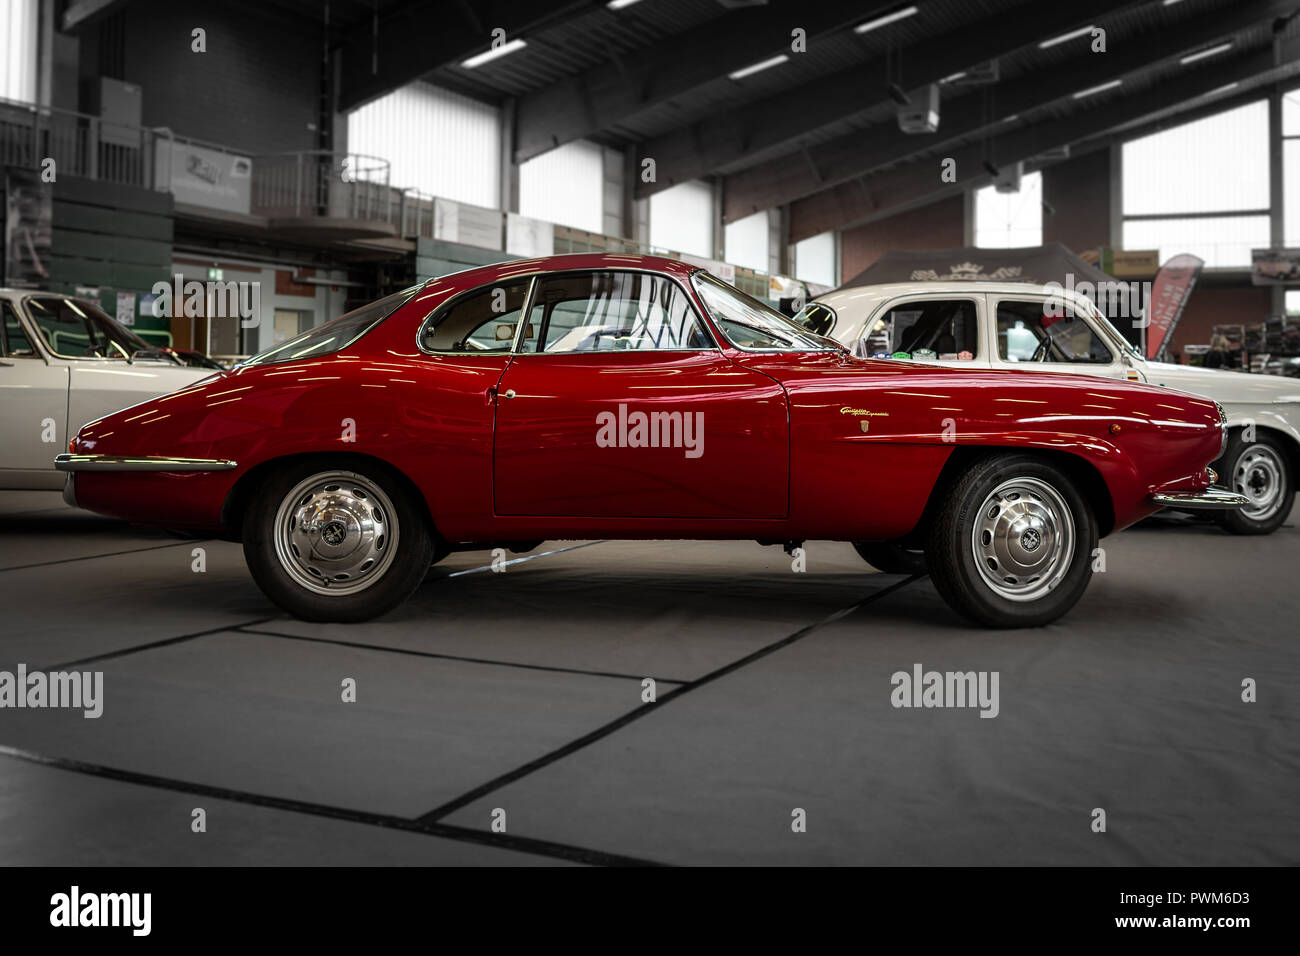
column 890, row 557
column 336, row 543
column 1012, row 543
column 1260, row 470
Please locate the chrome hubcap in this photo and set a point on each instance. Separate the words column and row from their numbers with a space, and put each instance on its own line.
column 1023, row 539
column 1258, row 476
column 336, row 533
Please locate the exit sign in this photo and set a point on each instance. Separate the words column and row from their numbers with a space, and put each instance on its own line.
column 216, row 275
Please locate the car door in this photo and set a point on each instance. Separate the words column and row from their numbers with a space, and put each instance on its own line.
column 1042, row 335
column 620, row 405
column 33, row 410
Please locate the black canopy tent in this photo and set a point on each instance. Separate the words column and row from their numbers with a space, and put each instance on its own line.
column 1052, row 262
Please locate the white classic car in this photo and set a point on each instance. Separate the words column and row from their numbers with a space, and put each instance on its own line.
column 64, row 363
column 1007, row 325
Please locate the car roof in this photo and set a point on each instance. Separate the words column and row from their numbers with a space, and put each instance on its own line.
column 519, row 268
column 886, row 290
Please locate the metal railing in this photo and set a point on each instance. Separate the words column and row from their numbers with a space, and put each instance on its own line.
column 80, row 144
column 314, row 183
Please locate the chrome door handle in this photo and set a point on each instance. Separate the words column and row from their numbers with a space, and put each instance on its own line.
column 508, row 393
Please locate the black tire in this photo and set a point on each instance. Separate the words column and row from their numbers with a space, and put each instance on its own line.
column 1031, row 512
column 1262, row 470
column 889, row 557
column 319, row 579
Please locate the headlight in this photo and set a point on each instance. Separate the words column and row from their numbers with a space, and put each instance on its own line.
column 1223, row 428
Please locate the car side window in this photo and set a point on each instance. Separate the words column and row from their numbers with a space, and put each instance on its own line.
column 612, row 311
column 481, row 321
column 946, row 329
column 14, row 343
column 1032, row 332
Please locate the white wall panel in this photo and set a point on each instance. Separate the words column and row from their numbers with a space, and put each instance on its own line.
column 681, row 219
column 565, row 186
column 1217, row 164
column 1010, row 220
column 437, row 141
column 18, row 50
column 745, row 242
column 814, row 260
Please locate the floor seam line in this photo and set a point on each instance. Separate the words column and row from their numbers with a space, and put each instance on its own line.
column 110, row 554
column 609, row 728
column 436, row 655
column 461, row 834
column 151, row 645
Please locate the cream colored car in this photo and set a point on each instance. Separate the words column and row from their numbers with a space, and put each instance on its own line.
column 64, row 363
column 1008, row 325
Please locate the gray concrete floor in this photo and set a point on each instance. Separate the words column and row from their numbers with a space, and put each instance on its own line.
column 521, row 692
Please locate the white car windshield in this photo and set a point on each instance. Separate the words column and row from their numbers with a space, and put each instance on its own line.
column 77, row 329
column 749, row 324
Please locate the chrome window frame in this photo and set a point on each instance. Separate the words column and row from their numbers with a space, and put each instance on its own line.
column 530, row 300
column 835, row 347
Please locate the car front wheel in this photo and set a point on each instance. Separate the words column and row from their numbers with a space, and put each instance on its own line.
column 1012, row 543
column 1260, row 470
column 336, row 543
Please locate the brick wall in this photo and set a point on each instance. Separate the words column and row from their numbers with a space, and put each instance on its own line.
column 256, row 89
column 937, row 226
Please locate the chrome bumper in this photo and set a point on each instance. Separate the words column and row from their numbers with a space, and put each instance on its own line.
column 1211, row 499
column 74, row 463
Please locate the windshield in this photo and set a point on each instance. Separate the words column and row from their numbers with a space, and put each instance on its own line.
column 78, row 329
column 751, row 325
column 335, row 334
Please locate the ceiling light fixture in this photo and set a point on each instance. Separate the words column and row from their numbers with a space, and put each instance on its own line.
column 1208, row 51
column 886, row 19
column 1226, row 88
column 1065, row 36
column 496, row 52
column 1097, row 89
column 620, row 4
column 758, row 67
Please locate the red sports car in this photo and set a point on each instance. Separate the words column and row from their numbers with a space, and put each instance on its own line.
column 619, row 396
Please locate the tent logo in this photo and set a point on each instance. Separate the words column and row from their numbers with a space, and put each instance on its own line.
column 969, row 272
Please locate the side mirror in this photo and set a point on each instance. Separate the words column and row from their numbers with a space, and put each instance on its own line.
column 505, row 333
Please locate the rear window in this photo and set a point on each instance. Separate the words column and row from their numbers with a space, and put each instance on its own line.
column 335, row 334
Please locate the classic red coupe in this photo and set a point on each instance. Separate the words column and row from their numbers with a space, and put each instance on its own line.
column 620, row 396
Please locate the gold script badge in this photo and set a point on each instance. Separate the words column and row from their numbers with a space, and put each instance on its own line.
column 862, row 414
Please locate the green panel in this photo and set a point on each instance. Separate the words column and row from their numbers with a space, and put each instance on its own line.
column 113, row 196
column 126, row 276
column 465, row 256
column 90, row 245
column 97, row 219
column 78, row 271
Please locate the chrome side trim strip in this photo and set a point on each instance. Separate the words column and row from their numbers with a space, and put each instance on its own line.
column 1211, row 499
column 74, row 463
